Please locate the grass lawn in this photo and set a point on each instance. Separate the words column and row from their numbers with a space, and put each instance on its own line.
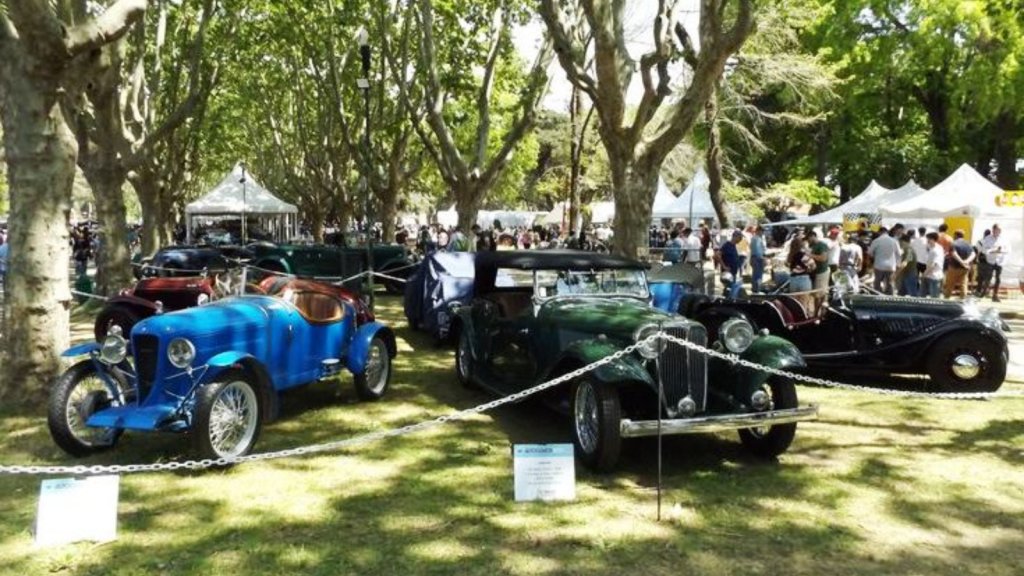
column 879, row 485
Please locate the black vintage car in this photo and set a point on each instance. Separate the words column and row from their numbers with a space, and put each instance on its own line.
column 183, row 260
column 535, row 315
column 961, row 347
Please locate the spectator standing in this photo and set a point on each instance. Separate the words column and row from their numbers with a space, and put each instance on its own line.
column 933, row 274
column 691, row 248
column 919, row 244
column 960, row 259
column 834, row 242
column 757, row 256
column 705, row 242
column 801, row 267
column 5, row 248
column 732, row 262
column 886, row 254
column 945, row 240
column 673, row 248
column 851, row 258
column 819, row 252
column 910, row 278
column 996, row 249
column 984, row 270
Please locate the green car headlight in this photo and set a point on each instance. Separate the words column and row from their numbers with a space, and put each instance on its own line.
column 181, row 352
column 114, row 349
column 736, row 335
column 649, row 350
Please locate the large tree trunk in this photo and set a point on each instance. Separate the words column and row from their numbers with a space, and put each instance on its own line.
column 575, row 159
column 1005, row 152
column 156, row 216
column 113, row 262
column 714, row 162
column 41, row 153
column 634, row 196
column 468, row 199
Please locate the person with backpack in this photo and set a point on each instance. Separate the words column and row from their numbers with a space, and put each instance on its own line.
column 961, row 256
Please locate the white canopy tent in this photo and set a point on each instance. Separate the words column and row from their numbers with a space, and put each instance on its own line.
column 663, row 200
column 967, row 193
column 485, row 218
column 695, row 204
column 865, row 202
column 239, row 194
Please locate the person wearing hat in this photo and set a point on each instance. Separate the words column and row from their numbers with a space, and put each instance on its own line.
column 732, row 264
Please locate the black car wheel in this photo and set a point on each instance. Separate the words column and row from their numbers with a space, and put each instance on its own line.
column 227, row 421
column 464, row 360
column 79, row 393
column 963, row 362
column 596, row 414
column 770, row 441
column 373, row 382
column 121, row 316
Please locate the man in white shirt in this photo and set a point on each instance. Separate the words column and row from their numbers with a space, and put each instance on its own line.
column 931, row 280
column 995, row 249
column 919, row 244
column 886, row 253
column 691, row 248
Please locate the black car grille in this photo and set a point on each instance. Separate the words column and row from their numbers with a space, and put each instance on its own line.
column 145, row 348
column 684, row 371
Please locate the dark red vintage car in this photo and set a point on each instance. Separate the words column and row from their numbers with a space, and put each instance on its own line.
column 151, row 296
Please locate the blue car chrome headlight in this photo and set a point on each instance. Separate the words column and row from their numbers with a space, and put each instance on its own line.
column 181, row 352
column 114, row 349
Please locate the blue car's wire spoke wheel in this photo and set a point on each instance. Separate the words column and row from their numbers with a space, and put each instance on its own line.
column 373, row 382
column 78, row 394
column 227, row 421
column 596, row 414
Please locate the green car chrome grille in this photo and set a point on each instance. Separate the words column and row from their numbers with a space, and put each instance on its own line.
column 684, row 371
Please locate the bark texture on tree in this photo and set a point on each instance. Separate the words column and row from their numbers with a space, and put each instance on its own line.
column 633, row 207
column 157, row 219
column 113, row 261
column 713, row 159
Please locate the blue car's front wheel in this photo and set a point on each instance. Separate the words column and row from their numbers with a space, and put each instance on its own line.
column 79, row 393
column 227, row 421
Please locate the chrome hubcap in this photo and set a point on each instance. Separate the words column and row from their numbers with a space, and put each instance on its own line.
column 233, row 419
column 762, row 431
column 966, row 366
column 89, row 396
column 377, row 367
column 586, row 417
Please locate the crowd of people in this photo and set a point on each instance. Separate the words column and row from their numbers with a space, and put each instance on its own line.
column 436, row 237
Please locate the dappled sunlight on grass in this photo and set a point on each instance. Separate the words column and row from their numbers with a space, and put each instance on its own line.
column 880, row 485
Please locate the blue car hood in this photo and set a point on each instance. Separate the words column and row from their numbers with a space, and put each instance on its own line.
column 239, row 314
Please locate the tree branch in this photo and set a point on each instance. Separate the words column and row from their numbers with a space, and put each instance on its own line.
column 38, row 28
column 108, row 27
column 483, row 101
column 434, row 97
column 571, row 55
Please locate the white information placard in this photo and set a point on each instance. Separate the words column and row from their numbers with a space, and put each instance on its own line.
column 544, row 472
column 75, row 509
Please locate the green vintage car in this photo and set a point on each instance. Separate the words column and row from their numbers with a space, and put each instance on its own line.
column 329, row 261
column 536, row 315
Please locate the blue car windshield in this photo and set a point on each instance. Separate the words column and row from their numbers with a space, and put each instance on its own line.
column 611, row 282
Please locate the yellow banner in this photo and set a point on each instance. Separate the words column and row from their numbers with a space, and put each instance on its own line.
column 1011, row 198
column 963, row 223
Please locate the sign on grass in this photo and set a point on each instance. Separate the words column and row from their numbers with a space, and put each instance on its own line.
column 71, row 510
column 544, row 472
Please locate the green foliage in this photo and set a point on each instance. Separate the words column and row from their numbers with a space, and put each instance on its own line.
column 782, row 196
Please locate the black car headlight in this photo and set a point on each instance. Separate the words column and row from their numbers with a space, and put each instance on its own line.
column 114, row 349
column 181, row 352
column 652, row 349
column 736, row 335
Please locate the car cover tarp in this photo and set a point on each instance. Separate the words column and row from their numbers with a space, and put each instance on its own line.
column 442, row 278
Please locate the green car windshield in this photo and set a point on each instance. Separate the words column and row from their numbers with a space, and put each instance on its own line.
column 608, row 282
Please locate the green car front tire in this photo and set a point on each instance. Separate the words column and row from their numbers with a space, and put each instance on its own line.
column 596, row 415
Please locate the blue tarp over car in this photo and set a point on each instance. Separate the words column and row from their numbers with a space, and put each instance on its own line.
column 442, row 278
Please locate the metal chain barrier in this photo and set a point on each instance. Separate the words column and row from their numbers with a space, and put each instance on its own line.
column 825, row 383
column 89, row 295
column 83, row 470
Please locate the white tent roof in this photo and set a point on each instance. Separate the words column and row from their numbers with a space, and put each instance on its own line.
column 663, row 201
column 232, row 196
column 694, row 203
column 485, row 218
column 963, row 193
column 909, row 190
column 867, row 201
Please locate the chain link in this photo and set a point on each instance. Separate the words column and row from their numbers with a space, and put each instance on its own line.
column 337, row 445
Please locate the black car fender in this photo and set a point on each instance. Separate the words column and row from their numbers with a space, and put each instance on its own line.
column 768, row 351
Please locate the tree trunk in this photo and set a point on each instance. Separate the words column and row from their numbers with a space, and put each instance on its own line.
column 156, row 217
column 634, row 197
column 714, row 161
column 467, row 204
column 1005, row 153
column 113, row 262
column 41, row 152
column 575, row 159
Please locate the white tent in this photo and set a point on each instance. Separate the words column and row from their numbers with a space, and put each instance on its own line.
column 695, row 201
column 867, row 201
column 236, row 195
column 663, row 200
column 963, row 193
column 485, row 218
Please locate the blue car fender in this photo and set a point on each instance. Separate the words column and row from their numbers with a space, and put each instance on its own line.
column 81, row 349
column 359, row 348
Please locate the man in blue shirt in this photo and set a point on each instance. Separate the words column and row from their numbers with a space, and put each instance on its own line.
column 732, row 262
column 757, row 255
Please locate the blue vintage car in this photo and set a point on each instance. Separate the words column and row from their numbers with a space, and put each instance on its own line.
column 215, row 371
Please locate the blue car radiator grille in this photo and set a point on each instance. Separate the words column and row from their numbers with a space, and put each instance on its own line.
column 684, row 371
column 145, row 348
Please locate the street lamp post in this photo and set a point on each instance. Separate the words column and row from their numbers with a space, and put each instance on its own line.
column 363, row 38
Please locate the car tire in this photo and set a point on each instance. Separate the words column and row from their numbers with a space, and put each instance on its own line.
column 770, row 441
column 115, row 315
column 596, row 414
column 373, row 383
column 228, row 419
column 963, row 347
column 77, row 394
column 464, row 360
